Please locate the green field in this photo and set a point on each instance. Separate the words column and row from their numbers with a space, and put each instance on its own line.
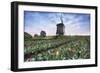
column 56, row 48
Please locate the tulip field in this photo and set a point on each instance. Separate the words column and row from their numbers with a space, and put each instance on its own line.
column 56, row 48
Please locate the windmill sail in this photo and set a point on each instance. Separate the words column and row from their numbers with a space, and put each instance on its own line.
column 61, row 18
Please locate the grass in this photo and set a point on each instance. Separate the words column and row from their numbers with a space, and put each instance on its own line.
column 56, row 48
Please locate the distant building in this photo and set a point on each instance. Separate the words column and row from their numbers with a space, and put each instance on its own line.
column 43, row 33
column 60, row 28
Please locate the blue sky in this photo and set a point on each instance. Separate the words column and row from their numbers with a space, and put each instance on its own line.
column 75, row 23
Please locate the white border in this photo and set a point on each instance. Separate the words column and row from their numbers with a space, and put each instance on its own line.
column 22, row 64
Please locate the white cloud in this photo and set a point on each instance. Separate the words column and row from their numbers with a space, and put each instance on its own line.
column 50, row 30
column 75, row 29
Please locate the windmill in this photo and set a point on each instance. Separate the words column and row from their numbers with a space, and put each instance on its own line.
column 60, row 27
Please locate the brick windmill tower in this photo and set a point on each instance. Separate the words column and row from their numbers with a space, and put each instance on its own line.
column 60, row 27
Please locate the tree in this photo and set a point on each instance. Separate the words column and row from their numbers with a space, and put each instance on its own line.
column 36, row 35
column 43, row 33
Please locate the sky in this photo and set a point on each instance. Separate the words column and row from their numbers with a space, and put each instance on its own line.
column 75, row 23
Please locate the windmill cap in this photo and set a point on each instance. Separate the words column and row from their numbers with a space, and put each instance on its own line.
column 60, row 24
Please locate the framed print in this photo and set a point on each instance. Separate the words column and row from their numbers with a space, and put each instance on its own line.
column 52, row 36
